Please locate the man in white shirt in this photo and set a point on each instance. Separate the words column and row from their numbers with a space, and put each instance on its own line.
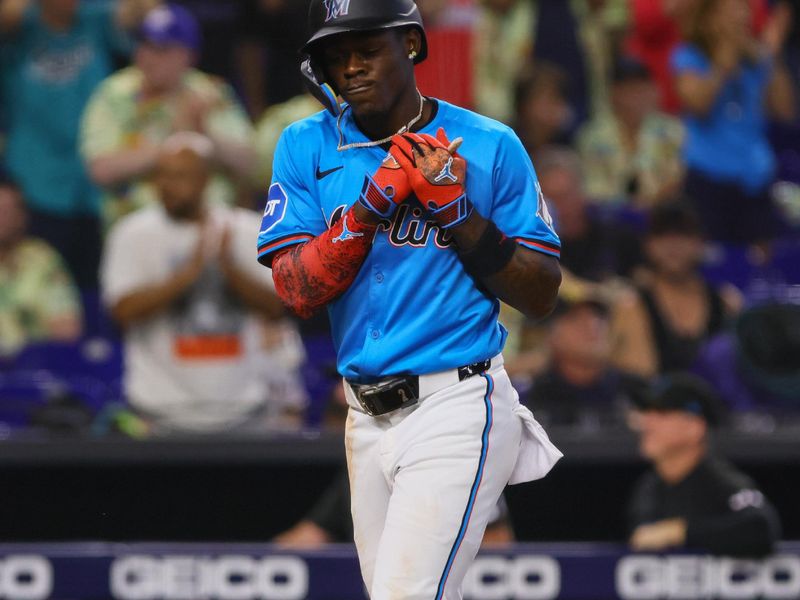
column 206, row 346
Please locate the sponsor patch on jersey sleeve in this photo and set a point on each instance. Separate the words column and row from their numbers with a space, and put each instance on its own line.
column 275, row 210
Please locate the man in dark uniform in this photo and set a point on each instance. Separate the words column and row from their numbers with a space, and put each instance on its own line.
column 691, row 499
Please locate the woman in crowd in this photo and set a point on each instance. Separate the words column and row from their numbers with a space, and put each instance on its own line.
column 662, row 327
column 725, row 78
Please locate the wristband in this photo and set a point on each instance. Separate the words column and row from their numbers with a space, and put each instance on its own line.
column 374, row 199
column 490, row 255
column 454, row 213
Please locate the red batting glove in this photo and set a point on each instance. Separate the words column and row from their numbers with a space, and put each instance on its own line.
column 388, row 188
column 436, row 173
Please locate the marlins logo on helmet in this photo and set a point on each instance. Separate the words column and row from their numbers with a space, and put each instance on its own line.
column 336, row 8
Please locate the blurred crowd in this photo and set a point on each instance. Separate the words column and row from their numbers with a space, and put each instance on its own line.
column 136, row 142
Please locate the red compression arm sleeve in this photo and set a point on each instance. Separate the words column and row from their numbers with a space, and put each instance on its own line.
column 309, row 276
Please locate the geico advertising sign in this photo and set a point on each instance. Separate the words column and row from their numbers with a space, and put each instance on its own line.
column 524, row 577
column 198, row 578
column 652, row 577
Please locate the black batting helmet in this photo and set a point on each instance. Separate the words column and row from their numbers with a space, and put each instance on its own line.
column 329, row 17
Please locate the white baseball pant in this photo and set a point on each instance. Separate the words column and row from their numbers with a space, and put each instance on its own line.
column 424, row 480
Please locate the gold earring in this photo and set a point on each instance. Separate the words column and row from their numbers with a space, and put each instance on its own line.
column 412, row 54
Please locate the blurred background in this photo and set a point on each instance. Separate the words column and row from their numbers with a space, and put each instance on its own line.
column 152, row 387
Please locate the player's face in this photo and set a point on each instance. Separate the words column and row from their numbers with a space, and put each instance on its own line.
column 370, row 70
column 181, row 179
column 666, row 433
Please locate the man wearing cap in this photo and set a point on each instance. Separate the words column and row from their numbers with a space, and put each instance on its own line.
column 135, row 110
column 53, row 53
column 692, row 499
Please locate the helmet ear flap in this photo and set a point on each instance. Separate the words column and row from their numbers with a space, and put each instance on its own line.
column 314, row 81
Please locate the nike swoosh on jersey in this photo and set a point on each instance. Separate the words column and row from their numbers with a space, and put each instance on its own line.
column 324, row 174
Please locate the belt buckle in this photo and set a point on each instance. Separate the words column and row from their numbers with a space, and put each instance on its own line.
column 386, row 396
column 474, row 369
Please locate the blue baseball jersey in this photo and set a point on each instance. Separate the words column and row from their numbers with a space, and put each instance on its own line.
column 412, row 308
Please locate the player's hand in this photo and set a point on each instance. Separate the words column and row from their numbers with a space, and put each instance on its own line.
column 436, row 172
column 386, row 189
column 436, row 175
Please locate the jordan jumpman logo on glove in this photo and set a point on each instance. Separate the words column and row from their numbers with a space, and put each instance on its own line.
column 437, row 174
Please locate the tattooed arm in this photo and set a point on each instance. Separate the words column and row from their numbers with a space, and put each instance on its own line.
column 310, row 275
column 530, row 280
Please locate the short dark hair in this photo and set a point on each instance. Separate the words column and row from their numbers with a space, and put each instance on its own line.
column 628, row 68
column 538, row 76
column 674, row 217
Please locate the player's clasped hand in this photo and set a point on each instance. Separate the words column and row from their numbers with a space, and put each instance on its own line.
column 387, row 189
column 436, row 173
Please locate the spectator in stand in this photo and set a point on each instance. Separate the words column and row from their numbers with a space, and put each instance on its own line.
column 692, row 499
column 136, row 109
column 756, row 367
column 38, row 299
column 577, row 35
column 580, row 388
column 724, row 77
column 632, row 154
column 595, row 253
column 503, row 46
column 581, row 37
column 655, row 33
column 675, row 310
column 180, row 279
column 53, row 53
column 543, row 116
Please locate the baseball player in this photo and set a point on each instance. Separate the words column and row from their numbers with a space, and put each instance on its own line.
column 409, row 218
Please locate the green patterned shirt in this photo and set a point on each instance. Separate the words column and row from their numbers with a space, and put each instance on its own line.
column 35, row 291
column 609, row 166
column 117, row 119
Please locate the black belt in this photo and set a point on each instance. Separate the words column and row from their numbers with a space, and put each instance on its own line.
column 399, row 392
